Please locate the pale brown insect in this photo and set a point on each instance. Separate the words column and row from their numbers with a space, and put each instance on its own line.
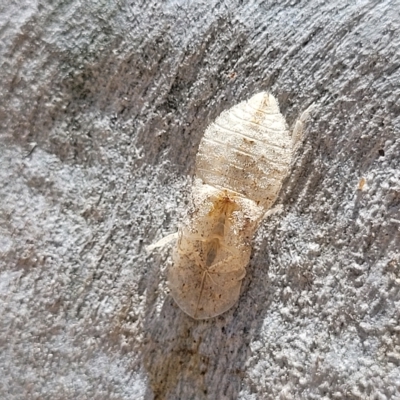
column 242, row 161
column 361, row 183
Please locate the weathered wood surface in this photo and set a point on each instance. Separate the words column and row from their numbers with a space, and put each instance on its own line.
column 102, row 108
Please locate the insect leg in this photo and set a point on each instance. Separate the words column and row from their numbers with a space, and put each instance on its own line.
column 298, row 131
column 162, row 242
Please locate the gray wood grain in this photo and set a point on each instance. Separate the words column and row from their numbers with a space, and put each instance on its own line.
column 102, row 108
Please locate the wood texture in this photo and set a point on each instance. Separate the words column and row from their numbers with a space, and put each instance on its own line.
column 103, row 105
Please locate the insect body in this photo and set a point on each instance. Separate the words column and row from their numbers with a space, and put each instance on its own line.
column 242, row 161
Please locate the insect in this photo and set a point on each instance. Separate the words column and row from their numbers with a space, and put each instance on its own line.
column 241, row 163
column 361, row 184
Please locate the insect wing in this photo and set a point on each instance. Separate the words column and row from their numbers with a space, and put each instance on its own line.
column 202, row 294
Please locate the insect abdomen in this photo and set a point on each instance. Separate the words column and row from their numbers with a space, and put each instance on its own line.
column 247, row 150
